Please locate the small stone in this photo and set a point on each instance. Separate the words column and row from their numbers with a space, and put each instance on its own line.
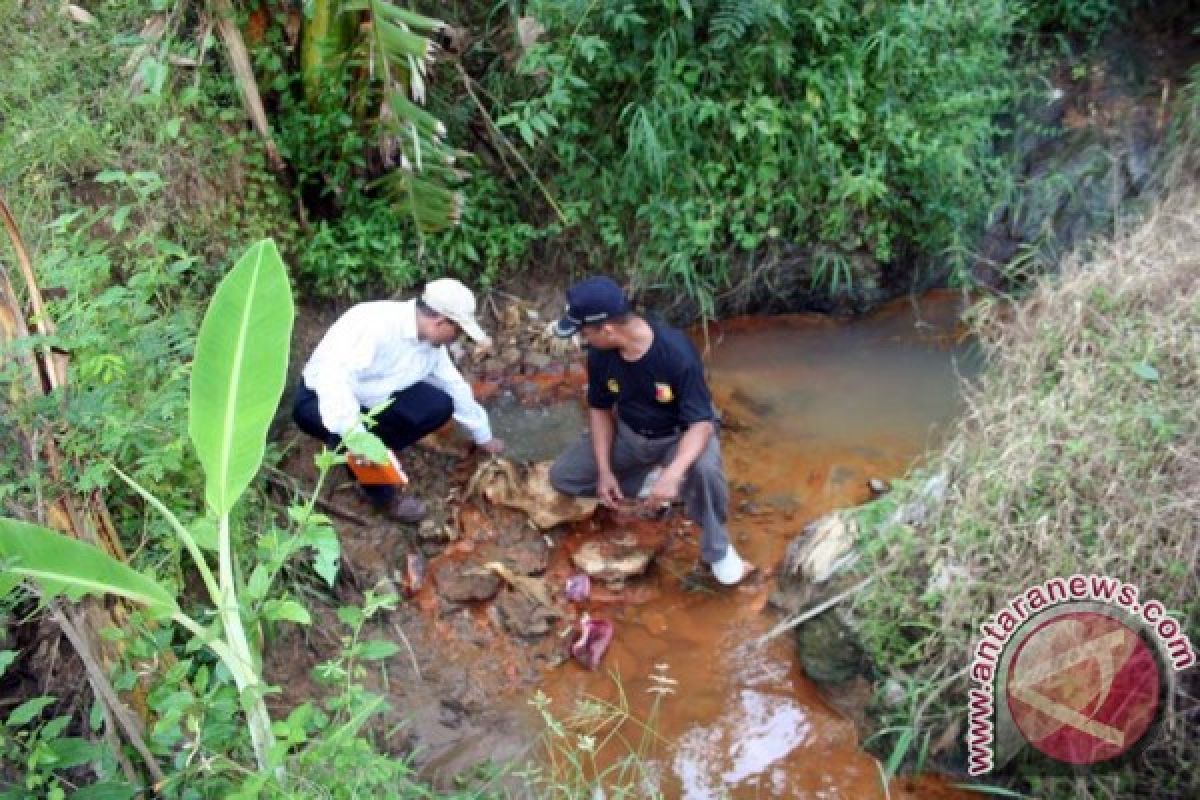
column 610, row 561
column 460, row 583
column 893, row 694
column 522, row 616
column 537, row 362
column 510, row 356
column 436, row 532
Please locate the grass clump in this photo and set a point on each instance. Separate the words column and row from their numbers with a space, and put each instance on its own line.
column 600, row 748
column 1079, row 453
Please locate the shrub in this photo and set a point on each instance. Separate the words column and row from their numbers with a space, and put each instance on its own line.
column 1091, row 18
column 682, row 136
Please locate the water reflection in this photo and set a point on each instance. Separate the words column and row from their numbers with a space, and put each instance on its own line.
column 755, row 736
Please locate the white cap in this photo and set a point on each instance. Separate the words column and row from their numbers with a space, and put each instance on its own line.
column 730, row 569
column 456, row 302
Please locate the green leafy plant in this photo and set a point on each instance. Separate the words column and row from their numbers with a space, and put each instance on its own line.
column 44, row 753
column 237, row 378
column 1090, row 18
column 694, row 142
column 380, row 70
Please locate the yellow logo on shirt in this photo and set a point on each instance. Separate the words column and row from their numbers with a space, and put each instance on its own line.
column 663, row 393
column 613, row 386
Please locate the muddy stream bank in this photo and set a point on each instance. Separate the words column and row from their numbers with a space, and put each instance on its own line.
column 813, row 409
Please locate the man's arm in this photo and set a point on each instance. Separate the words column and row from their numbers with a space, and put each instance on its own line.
column 603, row 428
column 691, row 447
column 467, row 411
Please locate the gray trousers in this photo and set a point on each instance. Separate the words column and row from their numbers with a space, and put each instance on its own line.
column 704, row 491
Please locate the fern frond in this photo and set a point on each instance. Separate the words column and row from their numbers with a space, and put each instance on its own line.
column 733, row 19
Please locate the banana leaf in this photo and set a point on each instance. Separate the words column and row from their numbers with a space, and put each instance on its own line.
column 61, row 565
column 239, row 372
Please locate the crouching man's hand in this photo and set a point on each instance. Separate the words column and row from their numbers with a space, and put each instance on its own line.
column 608, row 489
column 492, row 446
column 664, row 492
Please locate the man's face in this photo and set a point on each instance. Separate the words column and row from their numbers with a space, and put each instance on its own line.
column 598, row 336
column 443, row 331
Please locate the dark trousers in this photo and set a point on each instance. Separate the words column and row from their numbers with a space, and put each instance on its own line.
column 704, row 491
column 414, row 412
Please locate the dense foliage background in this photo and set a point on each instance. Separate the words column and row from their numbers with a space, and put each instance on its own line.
column 696, row 146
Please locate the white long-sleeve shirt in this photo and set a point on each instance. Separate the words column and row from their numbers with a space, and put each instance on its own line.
column 372, row 351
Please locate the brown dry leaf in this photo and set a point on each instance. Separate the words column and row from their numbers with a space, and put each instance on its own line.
column 77, row 14
column 533, row 588
column 528, row 489
column 528, row 32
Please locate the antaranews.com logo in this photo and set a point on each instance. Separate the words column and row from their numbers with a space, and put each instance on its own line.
column 1078, row 668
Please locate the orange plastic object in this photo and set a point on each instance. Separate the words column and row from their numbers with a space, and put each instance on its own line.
column 372, row 474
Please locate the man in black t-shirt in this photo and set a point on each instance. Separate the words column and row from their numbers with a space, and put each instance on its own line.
column 649, row 408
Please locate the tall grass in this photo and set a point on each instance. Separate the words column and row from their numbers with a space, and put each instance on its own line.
column 1079, row 452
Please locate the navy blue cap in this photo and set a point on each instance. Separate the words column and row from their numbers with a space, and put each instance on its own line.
column 591, row 301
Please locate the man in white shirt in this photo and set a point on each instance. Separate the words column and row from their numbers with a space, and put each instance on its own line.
column 385, row 349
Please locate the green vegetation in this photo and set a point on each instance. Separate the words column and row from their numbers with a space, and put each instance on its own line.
column 706, row 149
column 1079, row 453
column 237, row 379
column 695, row 142
column 1087, row 18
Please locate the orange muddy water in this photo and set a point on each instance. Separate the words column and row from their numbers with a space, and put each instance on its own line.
column 815, row 408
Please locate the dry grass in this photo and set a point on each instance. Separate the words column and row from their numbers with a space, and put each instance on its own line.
column 1079, row 452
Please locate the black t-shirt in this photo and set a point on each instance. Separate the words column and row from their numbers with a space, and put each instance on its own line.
column 660, row 393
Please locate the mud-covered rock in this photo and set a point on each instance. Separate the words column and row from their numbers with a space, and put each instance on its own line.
column 523, row 616
column 816, row 569
column 613, row 560
column 830, row 650
column 523, row 550
column 463, row 582
column 823, row 549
